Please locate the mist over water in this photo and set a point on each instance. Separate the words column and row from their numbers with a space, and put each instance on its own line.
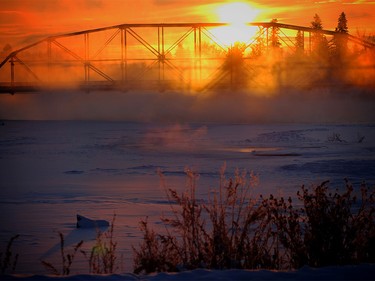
column 52, row 171
column 317, row 105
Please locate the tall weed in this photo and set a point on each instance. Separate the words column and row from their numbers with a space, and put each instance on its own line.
column 102, row 259
column 219, row 233
column 8, row 261
column 231, row 229
column 66, row 259
column 238, row 233
column 329, row 228
column 339, row 229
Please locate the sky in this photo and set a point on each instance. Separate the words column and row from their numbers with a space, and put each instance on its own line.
column 23, row 22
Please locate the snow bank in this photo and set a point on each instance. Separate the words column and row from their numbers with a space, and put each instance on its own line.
column 355, row 272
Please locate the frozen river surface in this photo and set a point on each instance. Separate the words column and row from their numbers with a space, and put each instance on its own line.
column 52, row 170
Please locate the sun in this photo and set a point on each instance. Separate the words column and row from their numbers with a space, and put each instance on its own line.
column 237, row 15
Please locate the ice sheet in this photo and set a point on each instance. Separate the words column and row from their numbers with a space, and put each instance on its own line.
column 52, row 170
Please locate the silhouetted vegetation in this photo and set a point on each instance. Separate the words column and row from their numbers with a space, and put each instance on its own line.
column 231, row 229
column 66, row 258
column 272, row 60
column 8, row 260
column 215, row 234
column 102, row 259
column 329, row 229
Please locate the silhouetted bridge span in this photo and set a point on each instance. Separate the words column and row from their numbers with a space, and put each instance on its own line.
column 184, row 56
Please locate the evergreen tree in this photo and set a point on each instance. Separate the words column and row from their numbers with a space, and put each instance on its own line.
column 300, row 44
column 319, row 51
column 258, row 47
column 319, row 41
column 339, row 50
column 342, row 25
column 317, row 23
column 275, row 42
column 340, row 39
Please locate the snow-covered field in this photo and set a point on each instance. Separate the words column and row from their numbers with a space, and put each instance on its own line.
column 359, row 272
column 50, row 171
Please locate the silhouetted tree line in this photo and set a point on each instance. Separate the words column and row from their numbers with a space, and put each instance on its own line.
column 314, row 62
column 328, row 60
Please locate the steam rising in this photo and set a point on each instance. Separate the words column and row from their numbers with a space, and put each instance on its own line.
column 247, row 85
column 319, row 105
column 175, row 137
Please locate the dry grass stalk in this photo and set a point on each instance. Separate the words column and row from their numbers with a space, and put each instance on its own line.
column 218, row 233
column 66, row 259
column 233, row 230
column 9, row 261
column 103, row 257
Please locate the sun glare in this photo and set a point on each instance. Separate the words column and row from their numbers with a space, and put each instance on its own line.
column 237, row 15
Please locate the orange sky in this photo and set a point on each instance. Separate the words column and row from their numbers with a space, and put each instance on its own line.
column 24, row 21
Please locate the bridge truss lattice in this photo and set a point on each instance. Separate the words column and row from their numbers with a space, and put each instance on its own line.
column 186, row 56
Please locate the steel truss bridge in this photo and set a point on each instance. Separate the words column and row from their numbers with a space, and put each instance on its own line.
column 181, row 56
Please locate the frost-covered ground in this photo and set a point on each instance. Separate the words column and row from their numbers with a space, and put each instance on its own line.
column 52, row 170
column 359, row 272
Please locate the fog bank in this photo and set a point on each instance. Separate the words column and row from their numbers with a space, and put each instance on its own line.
column 318, row 105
